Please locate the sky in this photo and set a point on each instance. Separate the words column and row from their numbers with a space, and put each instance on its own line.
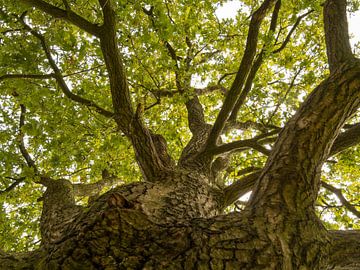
column 230, row 8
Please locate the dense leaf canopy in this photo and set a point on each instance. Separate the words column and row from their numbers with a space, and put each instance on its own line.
column 56, row 106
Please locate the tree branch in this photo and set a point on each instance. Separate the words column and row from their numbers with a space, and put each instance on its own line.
column 66, row 15
column 345, row 250
column 27, row 76
column 242, row 73
column 338, row 47
column 250, row 143
column 114, row 64
column 83, row 190
column 250, row 125
column 13, row 185
column 59, row 78
column 29, row 161
column 196, row 116
column 239, row 188
column 288, row 37
column 346, row 139
column 343, row 200
column 259, row 59
column 150, row 148
column 255, row 67
column 197, row 91
column 170, row 49
column 281, row 101
column 309, row 135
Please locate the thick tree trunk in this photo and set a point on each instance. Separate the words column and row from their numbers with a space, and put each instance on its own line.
column 172, row 226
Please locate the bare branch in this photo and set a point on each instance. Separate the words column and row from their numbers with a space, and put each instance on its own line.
column 242, row 73
column 336, row 33
column 43, row 76
column 66, row 15
column 225, row 75
column 343, row 200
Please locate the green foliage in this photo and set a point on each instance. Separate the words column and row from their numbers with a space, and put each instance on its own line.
column 69, row 140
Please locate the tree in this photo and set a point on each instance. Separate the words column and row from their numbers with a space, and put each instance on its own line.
column 131, row 130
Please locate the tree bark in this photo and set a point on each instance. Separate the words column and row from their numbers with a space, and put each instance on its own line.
column 174, row 224
column 174, row 218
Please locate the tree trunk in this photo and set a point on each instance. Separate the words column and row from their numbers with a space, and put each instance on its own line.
column 172, row 225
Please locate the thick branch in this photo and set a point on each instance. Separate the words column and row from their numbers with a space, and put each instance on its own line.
column 305, row 142
column 59, row 210
column 66, row 15
column 345, row 251
column 239, row 188
column 150, row 149
column 83, row 190
column 196, row 117
column 346, row 139
column 255, row 67
column 114, row 64
column 336, row 33
column 19, row 260
column 242, row 73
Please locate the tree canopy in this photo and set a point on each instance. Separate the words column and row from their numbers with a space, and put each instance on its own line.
column 105, row 93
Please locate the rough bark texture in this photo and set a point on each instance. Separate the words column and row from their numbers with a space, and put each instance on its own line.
column 174, row 219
